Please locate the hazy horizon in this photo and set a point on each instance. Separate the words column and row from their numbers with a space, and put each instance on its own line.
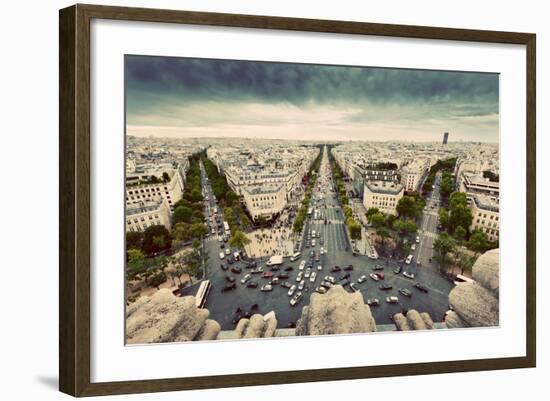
column 203, row 98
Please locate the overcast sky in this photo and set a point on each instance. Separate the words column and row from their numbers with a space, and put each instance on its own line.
column 179, row 97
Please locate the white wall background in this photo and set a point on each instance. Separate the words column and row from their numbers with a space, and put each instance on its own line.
column 29, row 159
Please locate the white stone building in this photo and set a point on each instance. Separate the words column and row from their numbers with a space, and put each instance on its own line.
column 146, row 213
column 170, row 191
column 264, row 201
column 485, row 212
column 383, row 195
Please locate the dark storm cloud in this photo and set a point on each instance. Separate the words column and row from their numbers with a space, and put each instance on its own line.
column 196, row 79
column 254, row 96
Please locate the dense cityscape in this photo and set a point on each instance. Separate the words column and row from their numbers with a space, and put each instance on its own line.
column 255, row 227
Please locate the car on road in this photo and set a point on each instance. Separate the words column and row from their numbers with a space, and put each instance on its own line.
column 302, row 285
column 227, row 251
column 296, row 299
column 397, row 269
column 392, row 300
column 408, row 275
column 312, row 278
column 330, row 279
column 286, row 284
column 246, row 278
column 302, row 265
column 252, row 284
column 374, row 276
column 380, row 276
column 361, row 279
column 267, row 274
column 320, row 267
column 373, row 302
column 257, row 270
column 385, row 287
column 409, row 259
column 299, row 277
column 335, row 269
column 343, row 282
column 307, row 273
column 222, row 245
column 413, row 247
column 229, row 287
column 326, row 284
column 266, row 287
column 348, row 268
column 274, row 268
column 222, row 255
column 354, row 287
column 224, row 267
column 421, row 287
column 236, row 270
column 289, row 268
column 230, row 279
column 292, row 290
column 345, row 276
column 417, row 239
column 283, row 276
column 378, row 267
column 405, row 292
column 321, row 290
column 274, row 281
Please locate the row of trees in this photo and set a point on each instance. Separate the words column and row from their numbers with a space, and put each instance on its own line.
column 228, row 200
column 447, row 165
column 402, row 227
column 311, row 179
column 353, row 225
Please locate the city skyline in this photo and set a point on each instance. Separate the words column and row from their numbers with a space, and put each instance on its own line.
column 187, row 98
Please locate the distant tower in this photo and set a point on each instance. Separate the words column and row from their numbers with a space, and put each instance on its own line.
column 445, row 138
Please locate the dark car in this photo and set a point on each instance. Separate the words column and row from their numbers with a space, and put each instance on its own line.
column 283, row 276
column 229, row 287
column 268, row 274
column 222, row 245
column 385, row 287
column 236, row 270
column 345, row 276
column 335, row 269
column 348, row 268
column 378, row 267
column 397, row 269
column 421, row 287
column 252, row 284
column 230, row 279
column 275, row 268
column 344, row 282
column 405, row 292
column 286, row 284
column 224, row 267
column 289, row 268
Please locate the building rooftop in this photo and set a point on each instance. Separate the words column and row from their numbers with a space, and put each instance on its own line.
column 384, row 187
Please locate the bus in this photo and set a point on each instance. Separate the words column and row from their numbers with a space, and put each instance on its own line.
column 226, row 228
column 202, row 294
column 462, row 279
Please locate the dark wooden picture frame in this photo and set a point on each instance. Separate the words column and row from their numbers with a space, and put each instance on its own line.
column 74, row 203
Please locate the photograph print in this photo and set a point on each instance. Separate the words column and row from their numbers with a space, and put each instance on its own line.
column 268, row 199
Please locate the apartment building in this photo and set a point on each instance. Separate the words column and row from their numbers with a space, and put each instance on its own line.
column 485, row 212
column 171, row 191
column 264, row 201
column 383, row 195
column 146, row 213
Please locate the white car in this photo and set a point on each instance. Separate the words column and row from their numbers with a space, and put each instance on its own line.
column 228, row 251
column 222, row 255
column 361, row 279
column 292, row 290
column 408, row 275
column 374, row 276
column 246, row 278
column 302, row 265
column 417, row 239
column 307, row 273
column 301, row 285
column 320, row 267
column 413, row 247
column 409, row 259
column 299, row 277
column 312, row 278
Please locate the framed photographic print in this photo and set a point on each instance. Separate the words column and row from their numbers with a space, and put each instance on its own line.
column 361, row 196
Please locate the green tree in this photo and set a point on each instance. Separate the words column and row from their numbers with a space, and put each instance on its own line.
column 377, row 220
column 134, row 239
column 181, row 232
column 354, row 229
column 347, row 212
column 444, row 245
column 371, row 211
column 198, row 230
column 446, row 185
column 478, row 242
column 238, row 240
column 444, row 218
column 406, row 207
column 182, row 214
column 156, row 238
column 135, row 265
column 459, row 234
column 460, row 216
